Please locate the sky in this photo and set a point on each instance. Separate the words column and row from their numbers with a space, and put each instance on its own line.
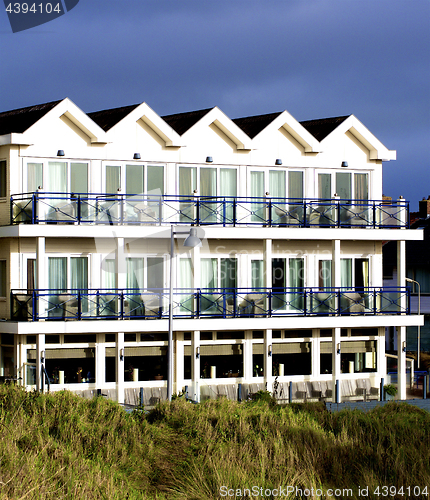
column 313, row 58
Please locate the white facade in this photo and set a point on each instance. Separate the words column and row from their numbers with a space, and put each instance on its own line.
column 287, row 283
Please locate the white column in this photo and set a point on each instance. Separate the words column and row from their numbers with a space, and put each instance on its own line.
column 195, row 364
column 335, row 268
column 100, row 356
column 268, row 363
column 267, row 267
column 40, row 273
column 247, row 357
column 179, row 361
column 40, row 350
column 315, row 353
column 380, row 354
column 401, row 330
column 401, row 362
column 119, row 366
column 120, row 265
column 335, row 360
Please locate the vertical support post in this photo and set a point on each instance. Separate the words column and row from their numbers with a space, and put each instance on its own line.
column 40, row 360
column 119, row 366
column 195, row 364
column 247, row 357
column 268, row 370
column 40, row 275
column 120, row 273
column 267, row 270
column 336, row 271
column 141, row 397
column 290, row 392
column 425, row 387
column 239, row 392
column 337, row 385
column 170, row 335
column 401, row 330
column 381, row 390
column 315, row 353
column 100, row 356
column 179, row 361
column 336, row 362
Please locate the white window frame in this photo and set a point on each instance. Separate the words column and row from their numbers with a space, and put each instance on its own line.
column 123, row 168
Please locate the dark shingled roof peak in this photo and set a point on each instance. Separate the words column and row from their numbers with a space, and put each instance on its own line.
column 321, row 128
column 253, row 125
column 181, row 122
column 19, row 120
column 107, row 118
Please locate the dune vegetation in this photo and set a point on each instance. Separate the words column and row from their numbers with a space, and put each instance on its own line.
column 59, row 446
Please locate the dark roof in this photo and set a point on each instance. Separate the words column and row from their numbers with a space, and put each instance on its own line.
column 107, row 118
column 181, row 122
column 19, row 120
column 253, row 125
column 321, row 128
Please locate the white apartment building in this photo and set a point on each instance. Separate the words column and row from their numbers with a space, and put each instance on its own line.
column 286, row 286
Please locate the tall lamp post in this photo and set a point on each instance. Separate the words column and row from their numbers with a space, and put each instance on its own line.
column 419, row 312
column 191, row 242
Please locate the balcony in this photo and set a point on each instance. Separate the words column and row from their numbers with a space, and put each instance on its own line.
column 82, row 209
column 207, row 303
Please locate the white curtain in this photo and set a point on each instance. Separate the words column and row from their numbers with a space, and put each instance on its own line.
column 324, row 186
column 155, row 179
column 361, row 187
column 57, row 177
column 135, row 273
column 57, row 273
column 343, row 185
column 228, row 187
column 185, row 281
column 257, row 274
column 79, row 273
column 108, row 274
column 228, row 273
column 277, row 184
column 209, row 273
column 113, row 178
column 346, row 273
column 257, row 190
column 34, row 176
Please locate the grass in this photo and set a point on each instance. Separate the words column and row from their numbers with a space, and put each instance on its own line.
column 62, row 446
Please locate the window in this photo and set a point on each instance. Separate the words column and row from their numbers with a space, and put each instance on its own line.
column 58, row 177
column 3, row 177
column 135, row 179
column 346, row 185
column 3, row 280
column 210, row 182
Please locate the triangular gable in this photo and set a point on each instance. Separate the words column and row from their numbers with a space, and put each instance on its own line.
column 377, row 151
column 295, row 129
column 217, row 118
column 119, row 117
column 66, row 108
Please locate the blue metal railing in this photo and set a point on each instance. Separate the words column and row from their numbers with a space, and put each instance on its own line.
column 207, row 303
column 84, row 208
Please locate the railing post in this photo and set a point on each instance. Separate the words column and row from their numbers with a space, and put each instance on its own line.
column 79, row 210
column 79, row 306
column 304, row 213
column 374, row 214
column 374, row 301
column 33, row 209
column 381, row 390
column 223, row 212
column 337, row 391
column 234, row 211
column 197, row 220
column 160, row 210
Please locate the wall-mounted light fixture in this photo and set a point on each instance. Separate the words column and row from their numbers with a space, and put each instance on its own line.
column 197, row 352
column 404, row 346
column 269, row 350
column 42, row 356
column 344, row 164
column 338, row 348
column 60, row 152
column 278, row 161
column 121, row 354
column 136, row 156
column 209, row 159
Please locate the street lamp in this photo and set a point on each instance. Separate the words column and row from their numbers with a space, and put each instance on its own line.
column 191, row 242
column 419, row 312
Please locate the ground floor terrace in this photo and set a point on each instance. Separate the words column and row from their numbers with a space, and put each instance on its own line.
column 324, row 363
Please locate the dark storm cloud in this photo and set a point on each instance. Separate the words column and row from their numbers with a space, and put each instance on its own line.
column 314, row 58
